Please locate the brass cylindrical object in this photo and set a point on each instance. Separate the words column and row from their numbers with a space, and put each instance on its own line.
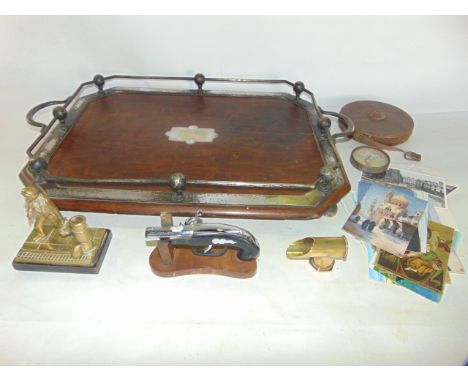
column 79, row 229
column 334, row 247
column 320, row 251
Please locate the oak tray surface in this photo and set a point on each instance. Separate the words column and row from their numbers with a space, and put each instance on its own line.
column 122, row 135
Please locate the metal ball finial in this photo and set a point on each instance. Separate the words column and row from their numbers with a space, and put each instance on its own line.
column 178, row 182
column 327, row 179
column 37, row 165
column 60, row 113
column 327, row 172
column 298, row 88
column 99, row 81
column 199, row 80
column 324, row 122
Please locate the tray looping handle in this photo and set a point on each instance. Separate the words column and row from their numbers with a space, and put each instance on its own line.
column 35, row 109
column 348, row 132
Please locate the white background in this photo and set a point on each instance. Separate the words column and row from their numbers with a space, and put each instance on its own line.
column 286, row 313
column 418, row 63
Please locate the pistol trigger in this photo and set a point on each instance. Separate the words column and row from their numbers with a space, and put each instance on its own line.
column 209, row 251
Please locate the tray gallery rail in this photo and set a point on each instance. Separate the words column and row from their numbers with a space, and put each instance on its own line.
column 144, row 150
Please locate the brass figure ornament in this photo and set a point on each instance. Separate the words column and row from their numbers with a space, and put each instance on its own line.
column 39, row 210
column 57, row 244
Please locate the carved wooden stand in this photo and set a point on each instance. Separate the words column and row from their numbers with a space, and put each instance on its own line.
column 167, row 260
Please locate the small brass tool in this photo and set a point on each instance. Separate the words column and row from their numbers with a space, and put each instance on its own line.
column 320, row 251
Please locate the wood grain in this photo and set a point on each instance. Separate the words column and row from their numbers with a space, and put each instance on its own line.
column 185, row 262
column 122, row 135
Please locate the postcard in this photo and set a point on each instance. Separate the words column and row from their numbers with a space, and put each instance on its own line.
column 454, row 263
column 419, row 239
column 427, row 187
column 389, row 278
column 428, row 270
column 424, row 292
column 371, row 254
column 428, row 171
column 388, row 217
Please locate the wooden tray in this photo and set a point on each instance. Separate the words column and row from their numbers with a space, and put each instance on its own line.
column 109, row 151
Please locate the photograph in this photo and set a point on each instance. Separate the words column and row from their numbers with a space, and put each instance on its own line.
column 425, row 186
column 388, row 217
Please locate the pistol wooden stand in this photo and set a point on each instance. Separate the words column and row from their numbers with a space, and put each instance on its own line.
column 167, row 260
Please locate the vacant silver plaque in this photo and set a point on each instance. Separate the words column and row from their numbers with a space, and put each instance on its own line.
column 191, row 134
